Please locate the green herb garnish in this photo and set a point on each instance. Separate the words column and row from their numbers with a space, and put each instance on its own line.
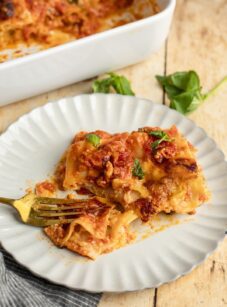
column 161, row 135
column 120, row 84
column 93, row 139
column 184, row 90
column 137, row 170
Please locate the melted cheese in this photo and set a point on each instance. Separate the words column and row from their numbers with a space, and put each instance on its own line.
column 172, row 182
column 172, row 179
column 49, row 23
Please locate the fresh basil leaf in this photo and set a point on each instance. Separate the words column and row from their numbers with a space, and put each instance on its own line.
column 167, row 84
column 186, row 102
column 163, row 80
column 121, row 85
column 180, row 80
column 193, row 82
column 195, row 102
column 158, row 133
column 102, row 86
column 137, row 170
column 115, row 82
column 172, row 91
column 183, row 90
column 163, row 136
column 176, row 105
column 155, row 144
column 93, row 139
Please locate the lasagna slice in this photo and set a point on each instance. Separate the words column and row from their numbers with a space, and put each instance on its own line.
column 147, row 171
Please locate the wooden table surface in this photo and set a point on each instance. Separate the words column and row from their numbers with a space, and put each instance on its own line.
column 198, row 40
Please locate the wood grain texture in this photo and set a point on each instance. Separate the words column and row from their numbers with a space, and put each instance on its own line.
column 142, row 76
column 198, row 41
column 130, row 299
column 205, row 286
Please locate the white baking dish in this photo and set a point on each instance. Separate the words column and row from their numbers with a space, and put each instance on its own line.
column 84, row 58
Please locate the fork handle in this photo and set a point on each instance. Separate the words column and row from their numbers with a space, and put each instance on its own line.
column 7, row 201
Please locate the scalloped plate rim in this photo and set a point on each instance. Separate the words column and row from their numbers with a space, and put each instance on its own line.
column 134, row 100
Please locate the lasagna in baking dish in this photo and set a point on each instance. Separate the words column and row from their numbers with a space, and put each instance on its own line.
column 145, row 172
column 52, row 22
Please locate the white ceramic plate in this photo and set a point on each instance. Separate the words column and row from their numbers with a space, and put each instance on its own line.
column 30, row 148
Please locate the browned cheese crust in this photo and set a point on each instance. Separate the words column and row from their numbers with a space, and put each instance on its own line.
column 50, row 23
column 172, row 181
